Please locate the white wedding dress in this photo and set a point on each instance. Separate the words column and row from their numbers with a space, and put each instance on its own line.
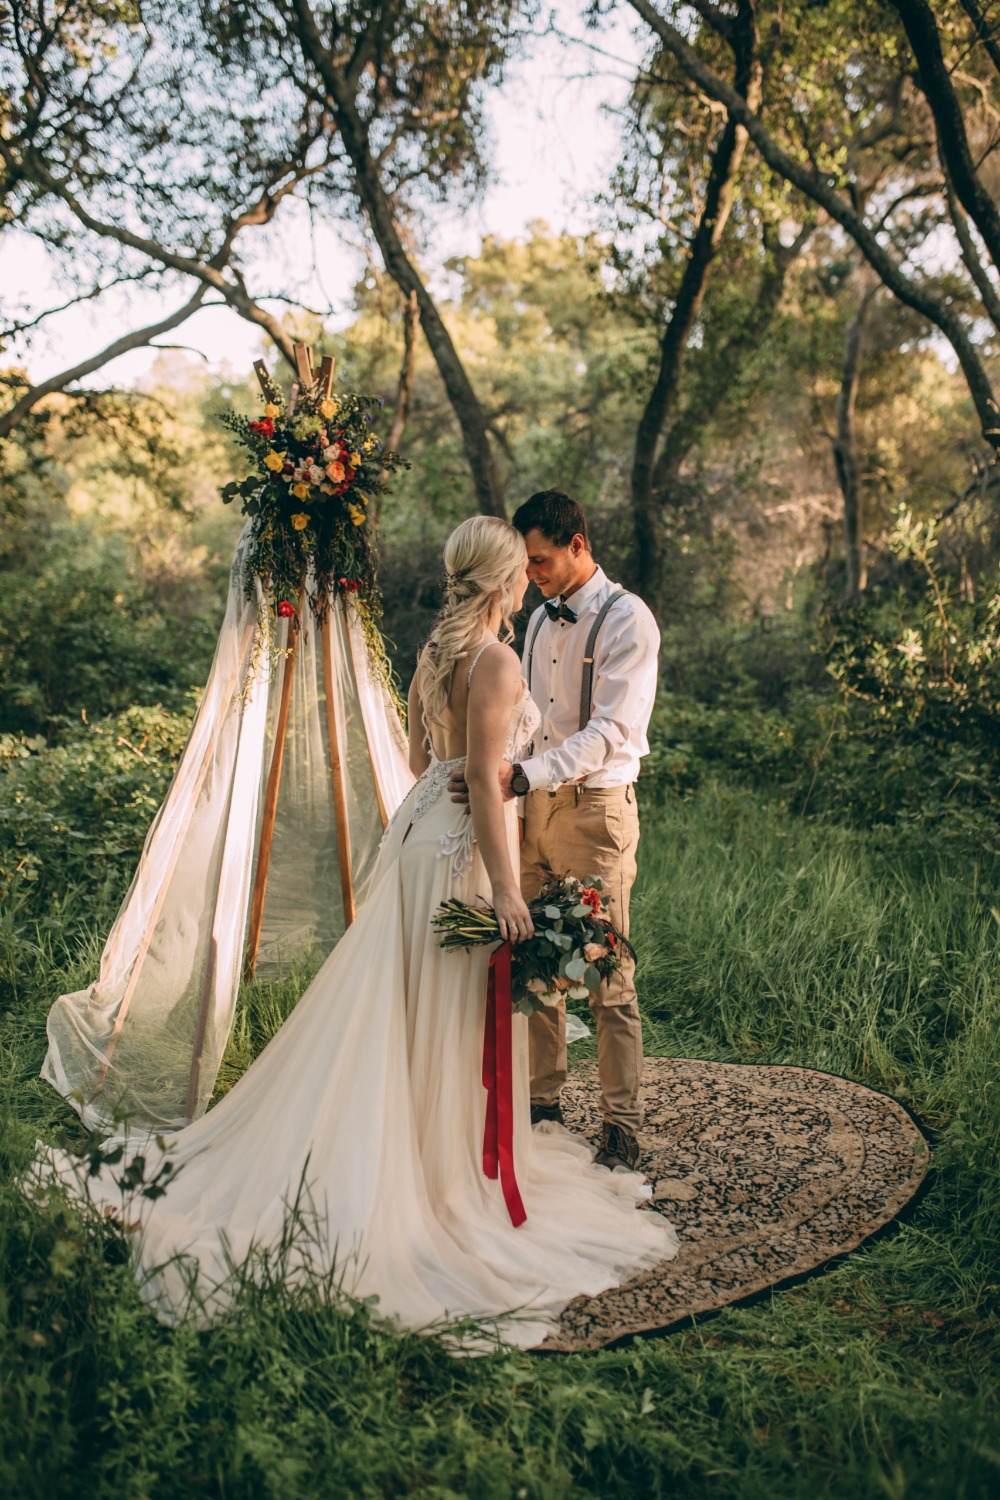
column 367, row 1109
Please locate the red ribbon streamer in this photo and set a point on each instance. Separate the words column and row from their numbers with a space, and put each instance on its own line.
column 498, row 1081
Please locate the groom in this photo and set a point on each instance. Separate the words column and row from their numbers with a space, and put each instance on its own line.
column 590, row 661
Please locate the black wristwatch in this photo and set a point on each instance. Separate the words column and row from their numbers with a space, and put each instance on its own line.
column 519, row 783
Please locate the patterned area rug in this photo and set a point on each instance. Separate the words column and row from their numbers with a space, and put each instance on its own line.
column 766, row 1173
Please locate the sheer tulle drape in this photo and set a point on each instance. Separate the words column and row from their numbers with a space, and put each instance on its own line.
column 350, row 1154
column 144, row 1042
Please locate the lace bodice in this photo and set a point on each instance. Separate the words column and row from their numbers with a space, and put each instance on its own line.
column 524, row 722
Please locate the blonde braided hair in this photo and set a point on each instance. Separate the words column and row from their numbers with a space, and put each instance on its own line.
column 484, row 557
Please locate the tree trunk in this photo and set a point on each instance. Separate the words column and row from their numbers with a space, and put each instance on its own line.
column 726, row 159
column 378, row 210
column 845, row 447
column 699, row 411
column 411, row 317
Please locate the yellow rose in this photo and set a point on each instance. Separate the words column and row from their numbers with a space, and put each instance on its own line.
column 328, row 408
column 300, row 491
column 274, row 461
column 354, row 460
column 300, row 521
column 357, row 514
column 272, row 411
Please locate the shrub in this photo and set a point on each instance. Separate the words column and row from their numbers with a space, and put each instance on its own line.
column 73, row 817
column 80, row 632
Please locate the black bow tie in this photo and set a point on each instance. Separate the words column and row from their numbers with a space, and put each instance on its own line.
column 560, row 612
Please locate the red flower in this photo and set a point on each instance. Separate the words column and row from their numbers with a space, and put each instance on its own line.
column 286, row 610
column 611, row 940
column 590, row 897
column 265, row 427
column 349, row 585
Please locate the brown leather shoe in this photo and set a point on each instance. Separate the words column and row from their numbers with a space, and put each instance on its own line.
column 540, row 1112
column 619, row 1147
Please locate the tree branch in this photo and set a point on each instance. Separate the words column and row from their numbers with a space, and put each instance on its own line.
column 984, row 33
column 18, row 328
column 976, row 269
column 134, row 340
column 209, row 272
column 821, row 191
column 935, row 81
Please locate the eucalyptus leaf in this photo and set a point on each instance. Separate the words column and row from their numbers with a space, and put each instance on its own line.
column 576, row 968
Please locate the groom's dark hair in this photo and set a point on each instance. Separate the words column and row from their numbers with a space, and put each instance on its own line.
column 555, row 514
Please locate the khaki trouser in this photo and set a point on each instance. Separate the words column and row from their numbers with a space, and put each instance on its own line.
column 580, row 831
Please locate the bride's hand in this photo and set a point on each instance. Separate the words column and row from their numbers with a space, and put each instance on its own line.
column 513, row 916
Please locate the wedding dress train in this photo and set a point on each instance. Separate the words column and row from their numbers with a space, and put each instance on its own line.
column 368, row 1108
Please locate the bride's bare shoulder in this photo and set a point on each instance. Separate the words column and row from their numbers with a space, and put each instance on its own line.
column 494, row 669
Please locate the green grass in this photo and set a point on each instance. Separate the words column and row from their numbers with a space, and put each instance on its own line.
column 761, row 938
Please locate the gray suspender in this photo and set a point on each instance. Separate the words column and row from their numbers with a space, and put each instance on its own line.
column 587, row 686
column 531, row 647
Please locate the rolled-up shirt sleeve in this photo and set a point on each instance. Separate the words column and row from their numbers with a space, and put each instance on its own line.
column 625, row 674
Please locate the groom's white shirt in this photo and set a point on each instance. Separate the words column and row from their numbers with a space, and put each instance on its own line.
column 607, row 751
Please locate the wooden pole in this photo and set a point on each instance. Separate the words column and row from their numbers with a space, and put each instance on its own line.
column 199, row 1041
column 260, row 370
column 271, row 799
column 325, row 376
column 337, row 769
column 161, row 895
column 303, row 365
column 359, row 668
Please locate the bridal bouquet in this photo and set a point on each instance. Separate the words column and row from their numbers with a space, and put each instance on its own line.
column 574, row 949
column 315, row 470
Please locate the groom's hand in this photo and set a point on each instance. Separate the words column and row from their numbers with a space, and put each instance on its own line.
column 459, row 789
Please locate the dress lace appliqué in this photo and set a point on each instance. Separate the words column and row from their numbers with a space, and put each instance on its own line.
column 459, row 845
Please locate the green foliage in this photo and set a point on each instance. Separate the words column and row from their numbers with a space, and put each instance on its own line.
column 73, row 818
column 761, row 937
column 920, row 675
column 890, row 719
column 80, row 632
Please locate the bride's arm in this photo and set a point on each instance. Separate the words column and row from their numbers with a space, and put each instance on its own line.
column 416, row 728
column 495, row 687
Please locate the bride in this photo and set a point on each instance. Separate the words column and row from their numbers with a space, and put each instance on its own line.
column 367, row 1108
